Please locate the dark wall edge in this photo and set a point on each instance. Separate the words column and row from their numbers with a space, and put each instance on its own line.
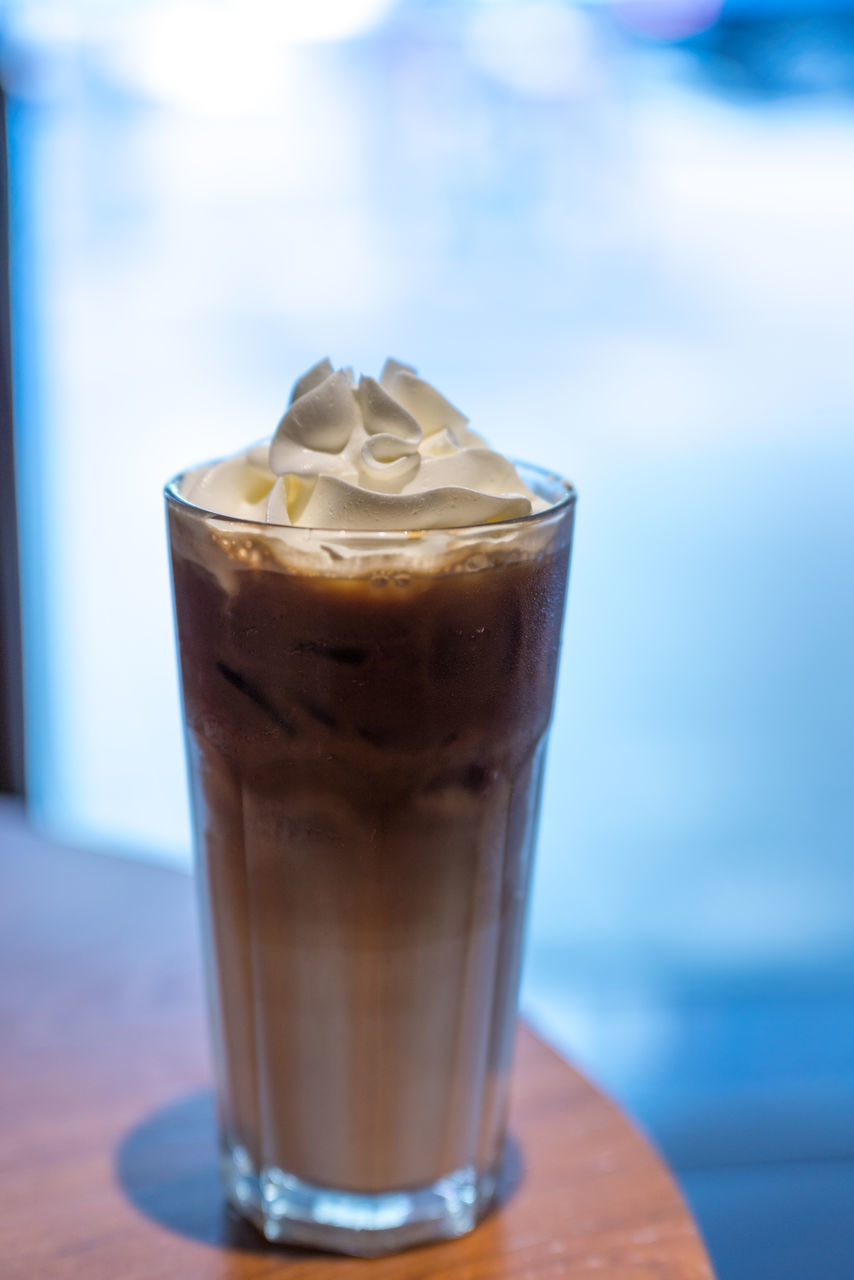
column 11, row 658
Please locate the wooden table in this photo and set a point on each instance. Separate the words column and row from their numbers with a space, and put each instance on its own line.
column 107, row 1164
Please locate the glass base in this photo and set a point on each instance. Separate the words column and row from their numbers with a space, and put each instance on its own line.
column 289, row 1211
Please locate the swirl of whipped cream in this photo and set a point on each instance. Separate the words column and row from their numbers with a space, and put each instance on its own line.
column 391, row 454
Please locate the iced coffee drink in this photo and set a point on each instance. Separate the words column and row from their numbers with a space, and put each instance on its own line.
column 369, row 610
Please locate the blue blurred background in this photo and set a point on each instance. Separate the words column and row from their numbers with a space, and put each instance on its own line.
column 621, row 237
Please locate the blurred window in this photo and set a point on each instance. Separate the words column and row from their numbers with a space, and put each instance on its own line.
column 625, row 259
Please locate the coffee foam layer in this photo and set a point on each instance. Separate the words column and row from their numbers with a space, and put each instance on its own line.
column 228, row 548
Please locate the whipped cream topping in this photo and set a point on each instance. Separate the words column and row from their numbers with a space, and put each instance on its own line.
column 389, row 454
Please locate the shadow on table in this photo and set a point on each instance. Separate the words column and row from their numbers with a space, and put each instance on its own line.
column 167, row 1167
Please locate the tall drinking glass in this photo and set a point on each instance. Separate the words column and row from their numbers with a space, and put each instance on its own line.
column 366, row 719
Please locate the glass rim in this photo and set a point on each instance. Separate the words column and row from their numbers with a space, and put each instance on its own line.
column 172, row 494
